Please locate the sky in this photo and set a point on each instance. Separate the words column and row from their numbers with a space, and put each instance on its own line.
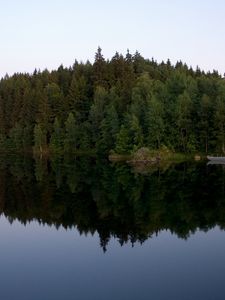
column 47, row 33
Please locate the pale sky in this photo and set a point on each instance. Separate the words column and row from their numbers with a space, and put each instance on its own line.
column 46, row 33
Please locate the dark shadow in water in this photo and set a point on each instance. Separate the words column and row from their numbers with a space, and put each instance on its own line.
column 97, row 196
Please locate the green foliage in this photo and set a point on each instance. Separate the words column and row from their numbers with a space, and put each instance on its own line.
column 155, row 123
column 205, row 124
column 95, row 106
column 27, row 138
column 39, row 138
column 123, row 142
column 97, row 112
column 56, row 142
column 135, row 132
column 71, row 134
column 109, row 128
column 16, row 137
column 78, row 100
column 184, row 121
column 220, row 124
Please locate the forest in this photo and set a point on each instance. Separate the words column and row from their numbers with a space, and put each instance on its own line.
column 113, row 106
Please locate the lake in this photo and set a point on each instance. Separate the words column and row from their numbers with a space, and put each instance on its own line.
column 85, row 228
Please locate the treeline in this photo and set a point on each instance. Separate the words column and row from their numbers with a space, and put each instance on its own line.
column 116, row 105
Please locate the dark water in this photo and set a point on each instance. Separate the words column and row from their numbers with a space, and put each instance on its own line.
column 87, row 229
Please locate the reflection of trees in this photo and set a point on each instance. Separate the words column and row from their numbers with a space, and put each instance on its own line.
column 96, row 196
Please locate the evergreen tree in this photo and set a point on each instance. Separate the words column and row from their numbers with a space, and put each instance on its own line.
column 28, row 137
column 135, row 132
column 94, row 106
column 204, row 124
column 39, row 138
column 78, row 100
column 16, row 137
column 2, row 117
column 184, row 122
column 123, row 141
column 56, row 102
column 97, row 112
column 56, row 142
column 155, row 120
column 71, row 134
column 99, row 69
column 220, row 125
column 109, row 129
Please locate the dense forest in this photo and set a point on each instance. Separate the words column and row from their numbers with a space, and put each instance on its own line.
column 116, row 105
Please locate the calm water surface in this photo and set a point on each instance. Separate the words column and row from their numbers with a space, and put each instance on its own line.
column 88, row 229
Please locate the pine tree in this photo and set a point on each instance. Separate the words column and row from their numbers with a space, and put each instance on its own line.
column 16, row 137
column 71, row 134
column 184, row 122
column 123, row 141
column 56, row 141
column 97, row 112
column 39, row 138
column 220, row 125
column 79, row 102
column 135, row 133
column 99, row 69
column 155, row 121
column 109, row 129
column 204, row 126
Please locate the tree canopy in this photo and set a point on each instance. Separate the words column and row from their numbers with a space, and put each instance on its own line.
column 119, row 104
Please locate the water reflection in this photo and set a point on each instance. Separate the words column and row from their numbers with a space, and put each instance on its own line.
column 112, row 199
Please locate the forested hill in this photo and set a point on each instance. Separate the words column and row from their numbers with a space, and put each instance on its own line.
column 116, row 105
